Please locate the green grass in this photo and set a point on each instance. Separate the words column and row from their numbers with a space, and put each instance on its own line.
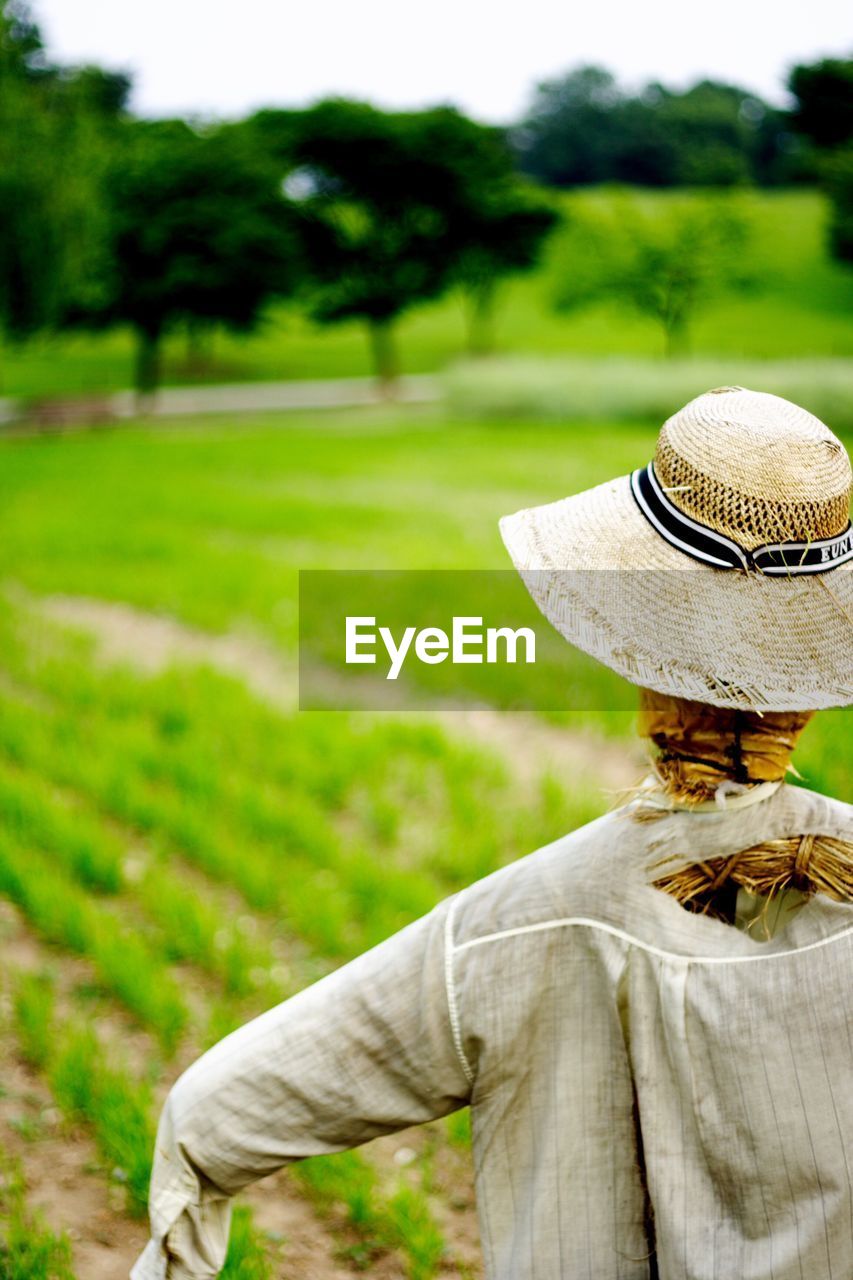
column 579, row 389
column 34, row 1005
column 118, row 1109
column 248, row 1257
column 399, row 1219
column 801, row 305
column 414, row 1226
column 274, row 805
column 67, row 917
column 210, row 524
column 29, row 1250
column 75, row 839
column 129, row 734
column 330, row 790
column 32, row 813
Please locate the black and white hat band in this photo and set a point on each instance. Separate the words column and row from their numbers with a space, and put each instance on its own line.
column 702, row 543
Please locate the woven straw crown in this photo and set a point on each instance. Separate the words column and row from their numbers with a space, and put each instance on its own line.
column 755, row 468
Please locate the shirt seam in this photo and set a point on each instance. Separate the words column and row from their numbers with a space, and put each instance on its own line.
column 613, row 931
column 450, row 989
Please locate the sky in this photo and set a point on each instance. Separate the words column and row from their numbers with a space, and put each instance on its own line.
column 212, row 58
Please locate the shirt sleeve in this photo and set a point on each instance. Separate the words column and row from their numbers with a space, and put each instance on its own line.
column 367, row 1050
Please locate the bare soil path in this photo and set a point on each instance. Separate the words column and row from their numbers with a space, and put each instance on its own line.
column 63, row 413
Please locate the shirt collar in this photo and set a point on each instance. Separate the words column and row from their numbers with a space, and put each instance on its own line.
column 725, row 802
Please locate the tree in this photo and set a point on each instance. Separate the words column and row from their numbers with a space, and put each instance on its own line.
column 496, row 223
column 582, row 128
column 54, row 124
column 838, row 176
column 397, row 208
column 824, row 101
column 824, row 115
column 31, row 248
column 504, row 236
column 719, row 135
column 667, row 264
column 30, row 241
column 569, row 136
column 374, row 228
column 22, row 53
column 198, row 232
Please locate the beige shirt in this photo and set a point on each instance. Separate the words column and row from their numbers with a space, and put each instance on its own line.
column 653, row 1093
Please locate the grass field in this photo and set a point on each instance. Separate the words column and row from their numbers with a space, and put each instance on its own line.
column 800, row 305
column 167, row 828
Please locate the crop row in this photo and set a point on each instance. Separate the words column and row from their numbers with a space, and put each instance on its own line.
column 116, row 1106
column 339, row 829
column 53, row 894
column 29, row 1250
column 73, row 836
column 292, row 777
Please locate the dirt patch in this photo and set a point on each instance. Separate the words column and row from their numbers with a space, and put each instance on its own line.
column 533, row 748
column 64, row 1178
column 289, row 1221
column 65, row 1175
column 153, row 642
column 78, row 992
column 70, row 1187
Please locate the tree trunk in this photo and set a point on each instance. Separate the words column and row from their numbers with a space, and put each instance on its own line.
column 481, row 319
column 199, row 347
column 147, row 372
column 676, row 336
column 384, row 352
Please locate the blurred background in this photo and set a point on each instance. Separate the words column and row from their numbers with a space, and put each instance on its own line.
column 334, row 290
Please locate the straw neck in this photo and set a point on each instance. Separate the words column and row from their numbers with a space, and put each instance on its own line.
column 702, row 752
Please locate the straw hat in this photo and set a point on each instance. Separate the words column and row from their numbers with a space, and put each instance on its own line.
column 722, row 572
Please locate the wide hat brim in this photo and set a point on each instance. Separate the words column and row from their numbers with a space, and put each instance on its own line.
column 609, row 583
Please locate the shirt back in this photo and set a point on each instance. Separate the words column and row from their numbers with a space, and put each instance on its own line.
column 655, row 1093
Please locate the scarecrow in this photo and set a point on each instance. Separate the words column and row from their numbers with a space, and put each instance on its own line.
column 651, row 1018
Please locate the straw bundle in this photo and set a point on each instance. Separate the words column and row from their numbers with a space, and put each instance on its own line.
column 810, row 864
column 701, row 752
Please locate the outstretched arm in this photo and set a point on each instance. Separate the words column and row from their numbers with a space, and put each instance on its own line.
column 367, row 1050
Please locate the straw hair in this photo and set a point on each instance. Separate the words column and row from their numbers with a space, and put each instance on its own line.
column 754, row 468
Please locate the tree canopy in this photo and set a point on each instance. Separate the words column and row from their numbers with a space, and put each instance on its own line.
column 824, row 115
column 53, row 136
column 198, row 230
column 667, row 267
column 398, row 207
column 824, row 101
column 583, row 128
